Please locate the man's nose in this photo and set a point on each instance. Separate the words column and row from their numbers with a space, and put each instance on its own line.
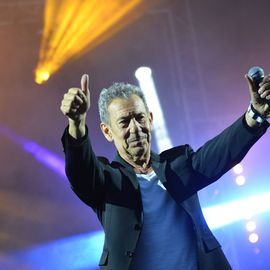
column 134, row 126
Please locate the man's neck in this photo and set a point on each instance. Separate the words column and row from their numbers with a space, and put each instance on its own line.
column 140, row 165
column 143, row 170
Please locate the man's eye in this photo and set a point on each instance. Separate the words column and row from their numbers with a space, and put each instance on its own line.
column 140, row 118
column 124, row 122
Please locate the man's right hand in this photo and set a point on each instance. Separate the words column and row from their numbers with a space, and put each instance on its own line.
column 75, row 104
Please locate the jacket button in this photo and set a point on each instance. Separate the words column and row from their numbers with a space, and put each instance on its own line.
column 130, row 254
column 137, row 227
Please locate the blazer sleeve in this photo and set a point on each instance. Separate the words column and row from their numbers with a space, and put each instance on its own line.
column 224, row 151
column 84, row 170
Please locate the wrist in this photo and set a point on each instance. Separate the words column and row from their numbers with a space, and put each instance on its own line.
column 77, row 127
column 255, row 115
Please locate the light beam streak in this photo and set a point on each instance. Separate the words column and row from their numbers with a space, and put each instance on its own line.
column 224, row 214
column 72, row 27
column 40, row 153
column 146, row 82
column 83, row 251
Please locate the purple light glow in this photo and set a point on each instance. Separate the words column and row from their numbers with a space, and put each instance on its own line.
column 46, row 157
column 41, row 154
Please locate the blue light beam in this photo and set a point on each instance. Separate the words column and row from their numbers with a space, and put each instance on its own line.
column 224, row 214
column 83, row 251
column 79, row 252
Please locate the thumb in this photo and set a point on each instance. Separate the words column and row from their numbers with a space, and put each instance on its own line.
column 85, row 84
column 251, row 86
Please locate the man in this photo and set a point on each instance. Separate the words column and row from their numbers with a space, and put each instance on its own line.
column 148, row 203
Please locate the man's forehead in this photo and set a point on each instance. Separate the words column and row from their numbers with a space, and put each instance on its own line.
column 133, row 104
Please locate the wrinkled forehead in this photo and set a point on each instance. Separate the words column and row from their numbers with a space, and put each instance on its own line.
column 126, row 106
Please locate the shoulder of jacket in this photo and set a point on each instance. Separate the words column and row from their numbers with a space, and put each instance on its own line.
column 184, row 149
column 103, row 160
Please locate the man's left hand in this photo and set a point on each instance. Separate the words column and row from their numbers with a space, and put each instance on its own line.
column 260, row 98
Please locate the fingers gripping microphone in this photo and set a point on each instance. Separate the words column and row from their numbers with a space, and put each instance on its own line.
column 257, row 75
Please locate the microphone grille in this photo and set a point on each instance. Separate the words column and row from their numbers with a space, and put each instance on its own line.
column 256, row 73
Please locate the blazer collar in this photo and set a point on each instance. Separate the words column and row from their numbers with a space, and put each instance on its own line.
column 156, row 163
column 155, row 158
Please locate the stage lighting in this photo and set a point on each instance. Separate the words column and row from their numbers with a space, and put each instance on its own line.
column 71, row 253
column 240, row 180
column 238, row 169
column 221, row 215
column 146, row 82
column 143, row 73
column 41, row 76
column 40, row 153
column 73, row 27
column 253, row 238
column 251, row 226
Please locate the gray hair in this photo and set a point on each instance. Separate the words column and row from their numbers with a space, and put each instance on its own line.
column 117, row 90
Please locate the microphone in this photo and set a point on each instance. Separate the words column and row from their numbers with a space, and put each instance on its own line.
column 257, row 75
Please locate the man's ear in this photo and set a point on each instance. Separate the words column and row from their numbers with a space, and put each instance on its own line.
column 106, row 132
column 151, row 119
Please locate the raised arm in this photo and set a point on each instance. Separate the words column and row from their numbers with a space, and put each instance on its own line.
column 224, row 151
column 83, row 169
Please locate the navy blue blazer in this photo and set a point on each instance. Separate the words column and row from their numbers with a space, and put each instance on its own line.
column 112, row 189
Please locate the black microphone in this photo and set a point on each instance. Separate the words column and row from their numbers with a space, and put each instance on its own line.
column 257, row 75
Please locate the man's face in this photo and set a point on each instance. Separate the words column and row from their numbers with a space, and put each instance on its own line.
column 130, row 127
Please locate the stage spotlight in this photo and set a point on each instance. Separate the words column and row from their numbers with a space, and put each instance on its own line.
column 143, row 73
column 240, row 180
column 253, row 238
column 238, row 169
column 251, row 226
column 41, row 76
column 73, row 27
column 146, row 82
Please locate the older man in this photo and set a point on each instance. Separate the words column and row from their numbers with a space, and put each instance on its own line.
column 147, row 203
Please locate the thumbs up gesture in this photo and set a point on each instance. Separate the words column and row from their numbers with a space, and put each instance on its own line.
column 75, row 104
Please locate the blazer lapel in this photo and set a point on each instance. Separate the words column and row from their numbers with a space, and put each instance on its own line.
column 159, row 166
column 127, row 170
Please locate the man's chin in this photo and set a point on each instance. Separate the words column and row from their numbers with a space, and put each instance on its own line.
column 137, row 151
